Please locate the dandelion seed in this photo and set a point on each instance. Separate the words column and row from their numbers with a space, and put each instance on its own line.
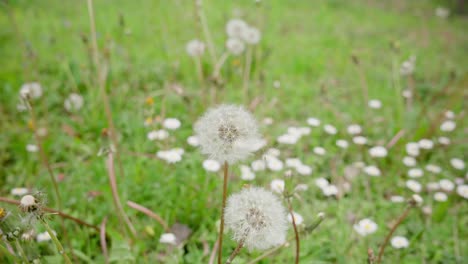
column 228, row 133
column 32, row 148
column 440, row 197
column 168, row 238
column 258, row 165
column 251, row 35
column 329, row 129
column 375, row 104
column 211, row 165
column 157, row 135
column 365, row 227
column 74, row 102
column 277, row 186
column 415, row 173
column 235, row 28
column 256, row 217
column 360, row 140
column 372, row 171
column 312, row 121
column 446, row 185
column 399, row 242
column 354, row 129
column 171, row 123
column 462, row 190
column 426, row 143
column 195, row 48
column 457, row 163
column 341, row 143
column 235, row 46
column 193, row 141
column 298, row 219
column 409, row 161
column 378, row 152
column 31, row 90
column 413, row 185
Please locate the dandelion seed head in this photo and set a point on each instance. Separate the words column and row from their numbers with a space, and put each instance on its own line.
column 235, row 28
column 195, row 48
column 251, row 35
column 235, row 46
column 444, row 140
column 31, row 90
column 341, row 143
column 329, row 129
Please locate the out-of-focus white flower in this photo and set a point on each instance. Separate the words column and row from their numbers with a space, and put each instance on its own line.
column 413, row 185
column 412, row 149
column 426, row 143
column 372, row 171
column 256, row 217
column 365, row 227
column 378, row 152
column 354, row 129
column 329, row 129
column 168, row 238
column 341, row 143
column 432, row 186
column 31, row 90
column 258, row 165
column 397, row 199
column 442, row 12
column 289, row 139
column 433, row 168
column 251, row 35
column 417, row 199
column 312, row 121
column 246, row 173
column 193, row 141
column 32, row 148
column 298, row 219
column 157, row 134
column 407, row 67
column 171, row 123
column 43, row 237
column 459, row 181
column 360, row 140
column 277, row 84
column 74, row 102
column 211, row 165
column 375, row 104
column 448, row 126
column 293, row 162
column 407, row 93
column 273, row 152
column 301, row 187
column 449, row 114
column 19, row 191
column 440, row 197
column 427, row 210
column 409, row 161
column 235, row 46
column 399, row 242
column 195, row 48
column 457, row 163
column 321, row 182
column 302, row 131
column 330, row 190
column 304, row 169
column 446, row 185
column 267, row 121
column 170, row 156
column 462, row 190
column 415, row 173
column 319, row 151
column 273, row 163
column 277, row 186
column 444, row 140
column 235, row 28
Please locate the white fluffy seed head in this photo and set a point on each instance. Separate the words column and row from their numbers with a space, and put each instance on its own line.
column 74, row 102
column 251, row 35
column 235, row 46
column 235, row 28
column 228, row 133
column 195, row 48
column 257, row 217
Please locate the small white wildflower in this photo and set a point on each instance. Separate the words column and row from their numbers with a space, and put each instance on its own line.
column 462, row 190
column 444, row 140
column 274, row 163
column 415, row 173
column 457, row 163
column 32, row 148
column 378, row 152
column 246, row 173
column 43, row 237
column 235, row 28
column 440, row 197
column 459, row 181
column 304, row 170
column 298, row 219
column 277, row 84
column 409, row 161
column 158, row 134
column 251, row 35
column 448, row 126
column 407, row 93
column 375, row 104
column 412, row 149
column 289, row 139
column 426, row 143
column 397, row 199
column 354, row 129
column 171, row 156
column 365, row 227
column 227, row 133
column 267, row 121
column 31, row 90
column 235, row 46
column 258, row 165
column 171, row 123
column 442, row 12
column 168, row 238
column 330, row 190
column 399, row 242
column 193, row 141
column 433, row 168
column 195, row 48
column 413, row 185
column 321, row 182
column 446, row 185
column 407, row 67
column 417, row 199
column 341, row 143
column 329, row 129
column 312, row 121
column 432, row 186
column 257, row 217
column 449, row 114
column 320, row 151
column 211, row 165
column 277, row 186
column 360, row 140
column 74, row 102
column 293, row 162
column 19, row 191
column 372, row 171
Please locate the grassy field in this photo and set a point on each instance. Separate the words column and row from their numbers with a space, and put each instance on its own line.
column 322, row 59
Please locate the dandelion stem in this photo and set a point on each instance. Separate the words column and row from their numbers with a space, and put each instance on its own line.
column 56, row 242
column 102, row 236
column 149, row 213
column 246, row 80
column 221, row 225
column 392, row 230
column 4, row 252
column 296, row 233
column 219, row 65
column 235, row 252
column 199, row 70
column 21, row 252
column 205, row 29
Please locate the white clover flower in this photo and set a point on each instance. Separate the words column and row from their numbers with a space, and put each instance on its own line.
column 354, row 129
column 74, row 102
column 312, row 121
column 235, row 46
column 412, row 149
column 211, row 165
column 321, row 182
column 329, row 129
column 251, row 35
column 257, row 217
column 365, row 227
column 360, row 140
column 413, row 185
column 433, row 168
column 442, row 12
column 193, row 141
column 246, row 173
column 409, row 161
column 372, row 171
column 170, row 156
column 228, row 133
column 375, row 104
column 43, row 237
column 457, row 163
column 235, row 28
column 378, row 152
column 304, row 169
column 444, row 140
column 440, row 197
column 432, row 186
column 298, row 219
column 157, row 135
column 415, row 173
column 341, row 143
column 277, row 186
column 320, row 151
column 32, row 148
column 289, row 139
column 171, row 123
column 397, row 199
column 446, row 185
column 462, row 190
column 448, row 126
column 258, row 165
column 195, row 48
column 168, row 238
column 330, row 190
column 399, row 242
column 31, row 90
column 19, row 191
column 426, row 143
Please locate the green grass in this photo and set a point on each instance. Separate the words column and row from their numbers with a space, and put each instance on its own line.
column 307, row 45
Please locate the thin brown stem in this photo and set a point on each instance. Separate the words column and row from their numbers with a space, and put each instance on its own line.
column 149, row 213
column 296, row 233
column 103, row 241
column 235, row 252
column 213, row 252
column 221, row 225
column 395, row 138
column 392, row 230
